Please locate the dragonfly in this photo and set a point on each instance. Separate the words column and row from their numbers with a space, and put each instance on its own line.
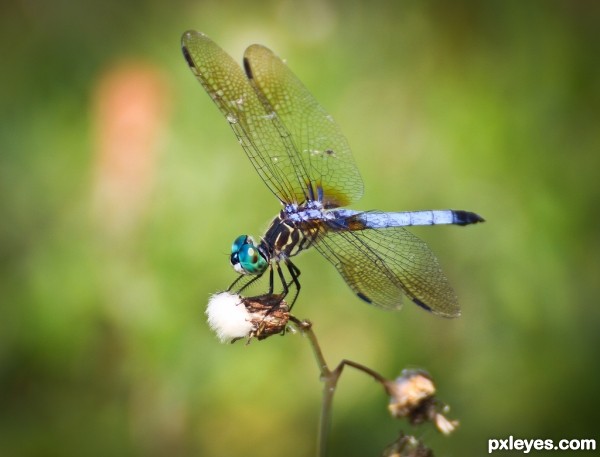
column 300, row 153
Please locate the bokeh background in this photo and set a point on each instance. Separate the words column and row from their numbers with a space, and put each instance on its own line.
column 122, row 188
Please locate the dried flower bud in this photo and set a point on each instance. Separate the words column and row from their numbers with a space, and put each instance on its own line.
column 409, row 391
column 413, row 396
column 270, row 315
column 407, row 446
column 233, row 317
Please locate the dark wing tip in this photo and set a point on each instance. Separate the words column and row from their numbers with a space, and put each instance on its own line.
column 421, row 304
column 253, row 53
column 363, row 297
column 248, row 68
column 452, row 314
column 186, row 40
column 187, row 57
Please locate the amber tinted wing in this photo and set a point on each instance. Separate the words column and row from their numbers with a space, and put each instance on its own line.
column 323, row 157
column 384, row 264
column 260, row 131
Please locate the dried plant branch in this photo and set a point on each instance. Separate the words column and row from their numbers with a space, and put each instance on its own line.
column 412, row 395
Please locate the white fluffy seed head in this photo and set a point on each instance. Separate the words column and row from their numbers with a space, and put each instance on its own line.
column 228, row 316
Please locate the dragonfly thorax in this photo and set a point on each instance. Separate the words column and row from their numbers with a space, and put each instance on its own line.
column 247, row 257
column 293, row 230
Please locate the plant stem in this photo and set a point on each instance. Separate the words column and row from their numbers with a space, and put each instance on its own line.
column 330, row 380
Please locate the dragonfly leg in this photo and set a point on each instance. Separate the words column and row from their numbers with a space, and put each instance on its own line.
column 294, row 273
column 247, row 280
column 234, row 282
column 271, row 280
column 283, row 282
column 243, row 278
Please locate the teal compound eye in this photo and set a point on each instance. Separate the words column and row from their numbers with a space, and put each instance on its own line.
column 235, row 253
column 238, row 243
column 251, row 260
column 245, row 256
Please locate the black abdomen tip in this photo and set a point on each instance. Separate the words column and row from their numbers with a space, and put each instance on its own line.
column 466, row 217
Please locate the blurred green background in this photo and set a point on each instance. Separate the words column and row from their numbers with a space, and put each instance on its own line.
column 122, row 188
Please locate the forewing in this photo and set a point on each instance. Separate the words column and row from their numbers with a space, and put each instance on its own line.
column 324, row 154
column 260, row 131
column 382, row 265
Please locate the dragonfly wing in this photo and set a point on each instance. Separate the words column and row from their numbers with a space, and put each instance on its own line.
column 324, row 157
column 261, row 132
column 382, row 265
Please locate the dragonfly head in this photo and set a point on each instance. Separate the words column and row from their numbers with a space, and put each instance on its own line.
column 246, row 257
